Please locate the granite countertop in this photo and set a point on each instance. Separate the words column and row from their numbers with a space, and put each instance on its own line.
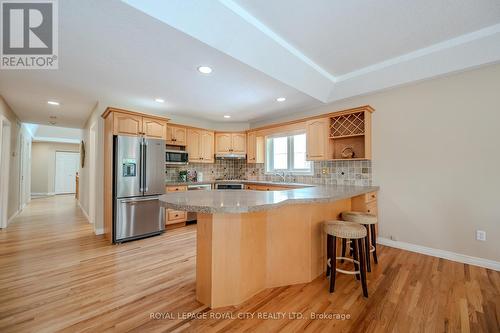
column 245, row 201
column 236, row 181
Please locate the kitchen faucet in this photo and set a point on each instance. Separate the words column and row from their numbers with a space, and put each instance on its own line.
column 282, row 176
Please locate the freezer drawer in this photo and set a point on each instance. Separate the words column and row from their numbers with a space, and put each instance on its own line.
column 138, row 217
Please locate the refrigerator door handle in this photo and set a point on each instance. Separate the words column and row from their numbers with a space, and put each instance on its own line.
column 141, row 168
column 144, row 159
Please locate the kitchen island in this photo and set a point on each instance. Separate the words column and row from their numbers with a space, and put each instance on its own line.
column 248, row 241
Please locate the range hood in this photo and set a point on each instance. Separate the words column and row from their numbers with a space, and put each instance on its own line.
column 230, row 156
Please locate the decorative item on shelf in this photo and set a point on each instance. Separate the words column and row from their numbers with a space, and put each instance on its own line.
column 183, row 175
column 82, row 154
column 347, row 152
column 192, row 176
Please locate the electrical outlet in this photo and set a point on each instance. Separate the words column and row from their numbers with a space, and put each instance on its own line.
column 481, row 235
column 324, row 171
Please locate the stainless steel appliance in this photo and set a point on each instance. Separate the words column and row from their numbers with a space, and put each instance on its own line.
column 191, row 216
column 175, row 156
column 231, row 156
column 139, row 173
column 229, row 186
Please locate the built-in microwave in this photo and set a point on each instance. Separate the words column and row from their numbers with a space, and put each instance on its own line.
column 176, row 157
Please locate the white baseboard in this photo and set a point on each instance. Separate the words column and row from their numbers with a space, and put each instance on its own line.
column 48, row 194
column 99, row 231
column 465, row 259
column 12, row 217
column 84, row 212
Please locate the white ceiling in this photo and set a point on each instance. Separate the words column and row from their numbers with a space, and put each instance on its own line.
column 343, row 36
column 126, row 53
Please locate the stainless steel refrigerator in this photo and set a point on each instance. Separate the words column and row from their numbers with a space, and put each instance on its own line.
column 139, row 179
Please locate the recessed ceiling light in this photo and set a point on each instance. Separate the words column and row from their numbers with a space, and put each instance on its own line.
column 204, row 69
column 159, row 100
column 227, row 116
column 52, row 102
column 281, row 99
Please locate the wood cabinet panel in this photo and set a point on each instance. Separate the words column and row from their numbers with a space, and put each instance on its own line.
column 207, row 147
column 194, row 145
column 255, row 148
column 317, row 136
column 223, row 143
column 200, row 146
column 154, row 128
column 176, row 135
column 126, row 124
column 230, row 143
column 239, row 143
column 176, row 188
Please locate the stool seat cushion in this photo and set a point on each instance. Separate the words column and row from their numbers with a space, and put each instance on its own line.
column 344, row 229
column 359, row 217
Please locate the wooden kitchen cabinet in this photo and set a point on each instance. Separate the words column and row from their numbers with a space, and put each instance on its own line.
column 154, row 128
column 126, row 124
column 176, row 135
column 129, row 123
column 175, row 216
column 230, row 143
column 255, row 148
column 264, row 187
column 318, row 142
column 200, row 145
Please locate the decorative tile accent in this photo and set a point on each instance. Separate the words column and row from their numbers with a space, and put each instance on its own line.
column 338, row 172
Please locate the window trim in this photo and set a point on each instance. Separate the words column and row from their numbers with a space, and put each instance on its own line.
column 290, row 155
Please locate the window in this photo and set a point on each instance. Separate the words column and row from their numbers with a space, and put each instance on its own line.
column 287, row 154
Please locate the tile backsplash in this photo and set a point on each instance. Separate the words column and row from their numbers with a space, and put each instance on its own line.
column 325, row 172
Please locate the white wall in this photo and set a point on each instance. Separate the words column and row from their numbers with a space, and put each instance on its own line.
column 17, row 131
column 436, row 157
column 85, row 195
column 43, row 167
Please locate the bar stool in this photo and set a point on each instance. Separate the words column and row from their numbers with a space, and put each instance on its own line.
column 368, row 221
column 345, row 230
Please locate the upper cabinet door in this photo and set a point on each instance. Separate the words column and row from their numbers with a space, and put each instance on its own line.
column 317, row 136
column 251, row 147
column 194, row 137
column 223, row 143
column 126, row 124
column 239, row 143
column 176, row 135
column 154, row 128
column 207, row 147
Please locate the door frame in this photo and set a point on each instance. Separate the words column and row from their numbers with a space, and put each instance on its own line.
column 55, row 168
column 5, row 143
column 92, row 172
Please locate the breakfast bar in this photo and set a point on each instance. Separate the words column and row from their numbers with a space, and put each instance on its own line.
column 248, row 240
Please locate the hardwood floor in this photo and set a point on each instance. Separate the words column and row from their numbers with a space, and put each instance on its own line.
column 56, row 275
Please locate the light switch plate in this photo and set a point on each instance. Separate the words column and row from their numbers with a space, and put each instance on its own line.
column 481, row 235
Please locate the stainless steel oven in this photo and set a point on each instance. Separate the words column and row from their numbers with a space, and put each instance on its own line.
column 176, row 157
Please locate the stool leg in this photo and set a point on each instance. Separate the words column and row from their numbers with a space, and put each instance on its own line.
column 362, row 268
column 367, row 248
column 355, row 256
column 328, row 253
column 374, row 243
column 343, row 249
column 333, row 264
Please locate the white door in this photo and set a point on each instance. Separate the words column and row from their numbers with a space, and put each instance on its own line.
column 66, row 169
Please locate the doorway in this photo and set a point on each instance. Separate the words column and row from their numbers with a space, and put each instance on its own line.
column 4, row 170
column 66, row 169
